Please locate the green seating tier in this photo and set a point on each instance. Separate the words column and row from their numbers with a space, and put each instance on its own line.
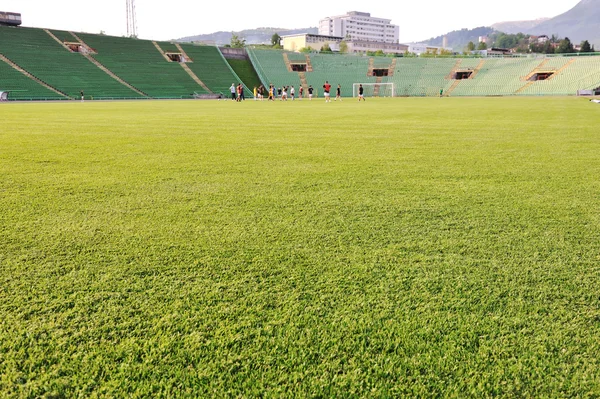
column 270, row 67
column 210, row 67
column 583, row 73
column 344, row 70
column 245, row 71
column 39, row 54
column 24, row 88
column 497, row 77
column 422, row 76
column 140, row 64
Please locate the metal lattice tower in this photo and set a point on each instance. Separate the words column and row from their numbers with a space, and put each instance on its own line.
column 131, row 19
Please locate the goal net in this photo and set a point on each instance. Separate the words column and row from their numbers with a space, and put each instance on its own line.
column 374, row 89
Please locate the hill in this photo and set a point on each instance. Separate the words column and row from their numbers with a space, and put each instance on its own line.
column 459, row 39
column 514, row 27
column 579, row 23
column 252, row 36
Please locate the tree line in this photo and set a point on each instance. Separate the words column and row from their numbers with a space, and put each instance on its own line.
column 523, row 43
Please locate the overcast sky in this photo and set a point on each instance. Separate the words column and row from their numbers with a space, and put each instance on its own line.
column 163, row 20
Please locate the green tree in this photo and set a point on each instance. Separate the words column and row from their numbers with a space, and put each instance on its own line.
column 305, row 50
column 585, row 47
column 343, row 47
column 482, row 46
column 276, row 40
column 565, row 46
column 471, row 46
column 236, row 42
column 379, row 53
column 325, row 48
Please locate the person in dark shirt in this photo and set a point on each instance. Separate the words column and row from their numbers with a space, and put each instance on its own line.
column 361, row 93
column 310, row 92
column 82, row 96
column 338, row 93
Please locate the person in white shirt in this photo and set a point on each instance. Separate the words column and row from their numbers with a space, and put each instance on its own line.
column 292, row 93
column 233, row 90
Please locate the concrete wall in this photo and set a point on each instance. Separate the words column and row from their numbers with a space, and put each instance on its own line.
column 234, row 53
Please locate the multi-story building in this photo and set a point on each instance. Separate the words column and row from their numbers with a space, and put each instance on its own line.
column 360, row 26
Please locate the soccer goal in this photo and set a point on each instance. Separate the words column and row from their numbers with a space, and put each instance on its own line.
column 375, row 89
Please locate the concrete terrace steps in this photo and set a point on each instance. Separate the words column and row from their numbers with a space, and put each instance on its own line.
column 195, row 77
column 309, row 67
column 455, row 68
column 32, row 77
column 451, row 88
column 160, row 50
column 90, row 49
column 112, row 75
column 53, row 36
column 182, row 51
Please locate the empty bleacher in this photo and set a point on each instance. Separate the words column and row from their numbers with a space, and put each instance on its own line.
column 571, row 75
column 497, row 77
column 21, row 87
column 422, row 76
column 210, row 66
column 132, row 68
column 271, row 68
column 39, row 54
column 344, row 70
column 140, row 64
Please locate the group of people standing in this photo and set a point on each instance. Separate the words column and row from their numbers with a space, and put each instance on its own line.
column 237, row 92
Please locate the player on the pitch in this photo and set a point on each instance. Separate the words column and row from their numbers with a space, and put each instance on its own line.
column 361, row 93
column 326, row 89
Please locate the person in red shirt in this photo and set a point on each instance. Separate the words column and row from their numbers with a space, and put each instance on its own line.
column 326, row 89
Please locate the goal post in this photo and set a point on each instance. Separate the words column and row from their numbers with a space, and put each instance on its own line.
column 387, row 89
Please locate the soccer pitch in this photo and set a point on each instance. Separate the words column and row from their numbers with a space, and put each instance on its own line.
column 392, row 248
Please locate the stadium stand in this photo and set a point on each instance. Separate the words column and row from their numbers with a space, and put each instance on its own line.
column 245, row 71
column 21, row 87
column 422, row 76
column 210, row 66
column 344, row 70
column 38, row 64
column 271, row 68
column 140, row 64
column 570, row 75
column 497, row 77
column 38, row 53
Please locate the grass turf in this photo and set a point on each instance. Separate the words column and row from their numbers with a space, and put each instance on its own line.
column 405, row 247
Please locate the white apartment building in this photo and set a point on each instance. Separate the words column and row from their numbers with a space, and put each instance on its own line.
column 360, row 26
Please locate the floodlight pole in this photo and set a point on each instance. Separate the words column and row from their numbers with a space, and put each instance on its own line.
column 131, row 18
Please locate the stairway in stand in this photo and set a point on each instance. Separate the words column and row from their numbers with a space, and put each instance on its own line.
column 451, row 88
column 454, row 69
column 303, row 81
column 112, row 75
column 477, row 69
column 160, row 50
column 287, row 62
column 377, row 86
column 195, row 77
column 182, row 51
column 371, row 64
column 309, row 67
column 91, row 50
column 30, row 76
column 392, row 68
column 58, row 40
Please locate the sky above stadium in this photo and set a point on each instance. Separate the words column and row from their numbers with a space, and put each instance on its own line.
column 164, row 20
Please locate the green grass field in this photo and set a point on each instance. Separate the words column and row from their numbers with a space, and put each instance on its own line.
column 392, row 248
